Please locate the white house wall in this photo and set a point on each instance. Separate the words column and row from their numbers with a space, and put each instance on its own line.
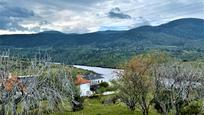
column 97, row 81
column 85, row 89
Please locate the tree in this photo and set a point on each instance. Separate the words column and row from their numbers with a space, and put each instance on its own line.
column 136, row 82
column 184, row 83
column 45, row 83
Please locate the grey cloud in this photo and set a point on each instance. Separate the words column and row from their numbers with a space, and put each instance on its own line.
column 46, row 14
column 74, row 5
column 83, row 2
column 11, row 24
column 117, row 13
column 67, row 2
column 182, row 8
column 11, row 17
column 141, row 21
column 16, row 12
column 44, row 22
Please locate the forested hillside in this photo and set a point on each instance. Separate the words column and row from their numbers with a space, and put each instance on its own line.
column 182, row 38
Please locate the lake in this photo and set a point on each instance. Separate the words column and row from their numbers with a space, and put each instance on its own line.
column 108, row 73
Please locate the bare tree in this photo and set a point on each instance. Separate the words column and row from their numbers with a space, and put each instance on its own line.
column 179, row 83
column 136, row 82
column 128, row 92
column 43, row 84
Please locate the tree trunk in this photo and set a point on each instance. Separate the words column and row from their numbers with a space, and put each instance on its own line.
column 165, row 112
column 145, row 107
column 14, row 109
column 164, row 109
column 132, row 105
column 132, row 108
column 3, row 109
column 177, row 112
column 145, row 112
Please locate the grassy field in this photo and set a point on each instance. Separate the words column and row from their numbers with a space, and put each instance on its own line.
column 95, row 107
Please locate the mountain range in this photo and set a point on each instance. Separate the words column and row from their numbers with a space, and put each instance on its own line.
column 112, row 46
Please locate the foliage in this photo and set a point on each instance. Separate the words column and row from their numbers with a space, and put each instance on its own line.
column 104, row 84
column 112, row 99
column 94, row 107
column 162, row 101
column 155, row 78
column 194, row 107
column 138, row 78
column 181, row 38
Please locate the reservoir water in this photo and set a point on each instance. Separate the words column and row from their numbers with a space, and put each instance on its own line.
column 107, row 73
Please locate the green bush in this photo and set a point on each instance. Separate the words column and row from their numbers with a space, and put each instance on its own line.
column 95, row 96
column 77, row 104
column 109, row 100
column 101, row 90
column 104, row 87
column 194, row 107
column 104, row 84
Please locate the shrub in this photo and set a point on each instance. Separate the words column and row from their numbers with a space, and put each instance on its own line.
column 94, row 87
column 95, row 96
column 110, row 100
column 77, row 104
column 194, row 107
column 104, row 84
column 101, row 90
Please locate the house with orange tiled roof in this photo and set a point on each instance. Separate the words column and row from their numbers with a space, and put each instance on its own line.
column 84, row 85
column 21, row 82
column 12, row 82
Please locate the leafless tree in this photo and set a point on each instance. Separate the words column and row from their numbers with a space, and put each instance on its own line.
column 179, row 83
column 127, row 92
column 43, row 85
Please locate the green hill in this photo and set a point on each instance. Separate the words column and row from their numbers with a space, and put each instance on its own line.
column 108, row 48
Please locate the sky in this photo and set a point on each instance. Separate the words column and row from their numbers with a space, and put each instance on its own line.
column 85, row 16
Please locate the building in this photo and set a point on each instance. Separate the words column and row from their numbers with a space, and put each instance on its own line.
column 28, row 80
column 94, row 78
column 84, row 85
column 22, row 82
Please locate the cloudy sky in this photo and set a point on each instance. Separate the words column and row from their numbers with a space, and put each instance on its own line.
column 82, row 16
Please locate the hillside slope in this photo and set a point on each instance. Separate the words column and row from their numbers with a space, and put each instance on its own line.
column 110, row 46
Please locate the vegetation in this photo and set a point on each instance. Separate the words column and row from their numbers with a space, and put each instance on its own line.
column 181, row 38
column 95, row 107
column 150, row 82
column 42, row 82
column 104, row 87
column 184, row 86
column 171, row 86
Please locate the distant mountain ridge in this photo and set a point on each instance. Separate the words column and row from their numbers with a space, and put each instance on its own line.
column 183, row 29
column 177, row 35
column 188, row 28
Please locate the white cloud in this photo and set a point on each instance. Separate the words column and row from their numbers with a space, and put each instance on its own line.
column 7, row 32
column 81, row 16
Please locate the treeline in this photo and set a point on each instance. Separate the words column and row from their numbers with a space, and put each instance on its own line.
column 103, row 57
column 77, row 56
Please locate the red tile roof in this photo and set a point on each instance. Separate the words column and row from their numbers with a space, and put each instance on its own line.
column 80, row 80
column 11, row 82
